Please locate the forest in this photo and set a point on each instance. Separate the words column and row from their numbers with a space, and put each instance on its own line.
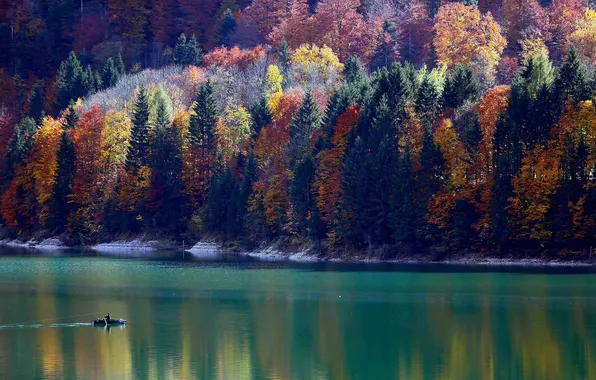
column 382, row 126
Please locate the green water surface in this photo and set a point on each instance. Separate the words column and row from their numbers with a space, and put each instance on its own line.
column 245, row 320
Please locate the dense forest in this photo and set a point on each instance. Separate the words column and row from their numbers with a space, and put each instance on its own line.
column 386, row 126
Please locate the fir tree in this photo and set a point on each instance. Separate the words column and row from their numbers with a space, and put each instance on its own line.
column 308, row 119
column 194, row 54
column 300, row 193
column 119, row 64
column 180, row 50
column 353, row 71
column 110, row 74
column 138, row 151
column 203, row 120
column 572, row 79
column 460, row 86
column 69, row 82
column 228, row 25
column 261, row 115
column 36, row 101
column 19, row 146
column 165, row 201
column 404, row 218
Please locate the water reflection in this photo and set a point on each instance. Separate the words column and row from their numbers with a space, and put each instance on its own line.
column 222, row 323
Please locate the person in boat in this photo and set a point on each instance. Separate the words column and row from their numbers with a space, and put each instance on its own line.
column 107, row 319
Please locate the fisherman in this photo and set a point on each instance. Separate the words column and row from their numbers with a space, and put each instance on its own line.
column 107, row 319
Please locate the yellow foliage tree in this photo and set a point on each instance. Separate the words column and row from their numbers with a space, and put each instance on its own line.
column 236, row 130
column 584, row 36
column 115, row 138
column 532, row 46
column 464, row 36
column 308, row 57
column 44, row 164
column 273, row 87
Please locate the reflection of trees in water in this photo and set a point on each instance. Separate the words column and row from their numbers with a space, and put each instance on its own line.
column 440, row 332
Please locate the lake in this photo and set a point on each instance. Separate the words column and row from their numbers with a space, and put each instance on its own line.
column 235, row 319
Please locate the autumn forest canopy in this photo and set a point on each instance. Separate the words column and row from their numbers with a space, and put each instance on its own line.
column 387, row 126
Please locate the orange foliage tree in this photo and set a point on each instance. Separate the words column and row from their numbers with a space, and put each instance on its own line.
column 464, row 36
column 87, row 193
column 328, row 176
column 271, row 189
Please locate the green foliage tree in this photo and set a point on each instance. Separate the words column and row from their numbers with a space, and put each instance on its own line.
column 69, row 83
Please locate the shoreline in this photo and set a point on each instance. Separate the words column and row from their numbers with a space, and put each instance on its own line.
column 213, row 250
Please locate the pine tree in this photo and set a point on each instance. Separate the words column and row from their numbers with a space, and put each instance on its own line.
column 428, row 101
column 194, row 54
column 36, row 101
column 355, row 186
column 404, row 218
column 90, row 84
column 572, row 80
column 261, row 115
column 228, row 25
column 308, row 119
column 69, row 82
column 203, row 120
column 300, row 194
column 19, row 146
column 180, row 50
column 284, row 57
column 353, row 71
column 165, row 201
column 110, row 74
column 460, row 86
column 380, row 157
column 120, row 68
column 138, row 152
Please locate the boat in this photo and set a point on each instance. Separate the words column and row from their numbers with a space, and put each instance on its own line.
column 111, row 322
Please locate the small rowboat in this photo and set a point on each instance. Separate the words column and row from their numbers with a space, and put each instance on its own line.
column 111, row 322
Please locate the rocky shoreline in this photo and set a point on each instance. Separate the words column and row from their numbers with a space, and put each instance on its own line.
column 212, row 250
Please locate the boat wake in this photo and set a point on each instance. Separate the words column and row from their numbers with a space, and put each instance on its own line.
column 42, row 326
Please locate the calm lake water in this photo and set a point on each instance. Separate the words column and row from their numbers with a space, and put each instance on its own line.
column 247, row 320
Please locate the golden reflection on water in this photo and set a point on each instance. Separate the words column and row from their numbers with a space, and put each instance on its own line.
column 280, row 336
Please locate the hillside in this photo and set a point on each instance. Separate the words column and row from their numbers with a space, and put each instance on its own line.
column 357, row 133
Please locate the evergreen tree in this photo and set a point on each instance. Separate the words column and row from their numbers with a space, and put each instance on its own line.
column 180, row 50
column 165, row 201
column 203, row 120
column 460, row 86
column 380, row 157
column 428, row 101
column 188, row 52
column 194, row 54
column 110, row 74
column 228, row 25
column 308, row 119
column 354, row 189
column 301, row 194
column 138, row 152
column 119, row 64
column 90, row 81
column 572, row 79
column 404, row 218
column 60, row 207
column 284, row 57
column 353, row 71
column 261, row 115
column 69, row 82
column 250, row 177
column 19, row 146
column 36, row 101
